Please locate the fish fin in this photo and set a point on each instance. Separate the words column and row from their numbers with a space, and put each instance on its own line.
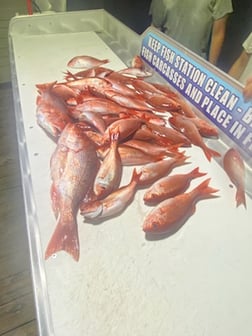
column 45, row 86
column 209, row 153
column 205, row 190
column 91, row 209
column 240, row 198
column 196, row 173
column 135, row 176
column 65, row 237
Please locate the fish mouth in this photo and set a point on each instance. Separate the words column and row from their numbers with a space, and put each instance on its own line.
column 91, row 211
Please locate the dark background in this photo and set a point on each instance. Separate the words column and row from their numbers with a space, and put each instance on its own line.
column 238, row 28
column 134, row 13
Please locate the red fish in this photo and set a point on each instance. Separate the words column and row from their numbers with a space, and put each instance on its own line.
column 94, row 119
column 172, row 213
column 137, row 62
column 114, row 203
column 234, row 167
column 131, row 156
column 147, row 116
column 164, row 103
column 137, row 102
column 169, row 134
column 149, row 147
column 186, row 109
column 52, row 122
column 52, row 112
column 170, row 186
column 121, row 88
column 135, row 72
column 125, row 127
column 74, row 165
column 153, row 171
column 190, row 130
column 206, row 129
column 90, row 83
column 109, row 175
column 145, row 88
column 100, row 105
column 85, row 62
column 92, row 72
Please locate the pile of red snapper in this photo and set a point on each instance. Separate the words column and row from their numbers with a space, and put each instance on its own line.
column 102, row 120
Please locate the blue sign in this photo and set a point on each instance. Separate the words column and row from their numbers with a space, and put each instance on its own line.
column 217, row 99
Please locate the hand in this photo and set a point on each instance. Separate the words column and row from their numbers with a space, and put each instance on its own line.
column 247, row 91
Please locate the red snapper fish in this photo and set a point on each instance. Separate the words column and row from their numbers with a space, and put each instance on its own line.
column 74, row 165
column 172, row 213
column 86, row 62
column 114, row 203
column 170, row 186
column 234, row 167
column 52, row 112
column 153, row 171
column 135, row 72
column 137, row 62
column 109, row 174
column 190, row 130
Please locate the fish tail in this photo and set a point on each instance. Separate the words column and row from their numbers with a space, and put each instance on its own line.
column 45, row 86
column 135, row 176
column 196, row 173
column 65, row 237
column 181, row 158
column 204, row 190
column 240, row 198
column 210, row 153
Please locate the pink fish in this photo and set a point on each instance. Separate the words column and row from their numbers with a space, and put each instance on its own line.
column 137, row 102
column 137, row 62
column 121, row 88
column 92, row 72
column 148, row 147
column 74, row 165
column 190, row 130
column 186, row 109
column 145, row 134
column 153, row 171
column 163, row 103
column 52, row 123
column 170, row 135
column 85, row 62
column 100, row 105
column 114, row 203
column 125, row 127
column 172, row 213
column 109, row 175
column 206, row 129
column 52, row 112
column 94, row 119
column 131, row 156
column 146, row 116
column 234, row 167
column 170, row 186
column 120, row 78
column 145, row 88
column 90, row 83
column 135, row 72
